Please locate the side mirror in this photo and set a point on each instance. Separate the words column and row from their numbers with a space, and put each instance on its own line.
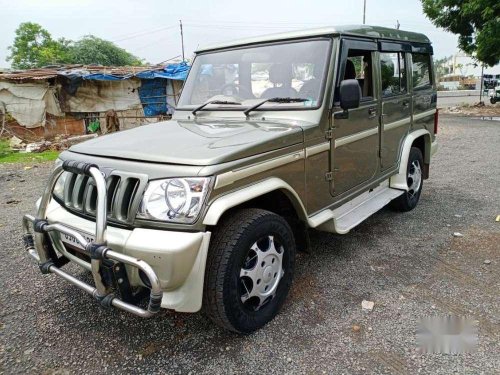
column 350, row 94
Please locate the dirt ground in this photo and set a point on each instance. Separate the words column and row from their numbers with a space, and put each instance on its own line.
column 410, row 265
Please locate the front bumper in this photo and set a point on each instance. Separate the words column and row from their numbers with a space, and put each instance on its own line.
column 170, row 264
column 178, row 258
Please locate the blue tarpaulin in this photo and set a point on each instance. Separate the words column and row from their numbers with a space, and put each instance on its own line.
column 153, row 96
column 173, row 71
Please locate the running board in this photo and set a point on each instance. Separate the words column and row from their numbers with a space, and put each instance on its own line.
column 342, row 219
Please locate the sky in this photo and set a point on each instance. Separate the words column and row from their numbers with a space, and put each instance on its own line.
column 150, row 28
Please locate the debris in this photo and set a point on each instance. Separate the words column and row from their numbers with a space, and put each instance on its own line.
column 457, row 215
column 27, row 168
column 227, row 348
column 498, row 218
column 289, row 360
column 367, row 305
column 356, row 328
column 457, row 234
column 487, row 261
column 29, row 351
column 38, row 146
column 16, row 143
column 13, row 201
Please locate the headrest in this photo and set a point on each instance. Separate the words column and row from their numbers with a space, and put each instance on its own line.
column 280, row 73
column 350, row 70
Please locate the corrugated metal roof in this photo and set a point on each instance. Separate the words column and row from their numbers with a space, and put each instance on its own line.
column 89, row 72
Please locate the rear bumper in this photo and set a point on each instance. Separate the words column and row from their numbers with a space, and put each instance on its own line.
column 178, row 258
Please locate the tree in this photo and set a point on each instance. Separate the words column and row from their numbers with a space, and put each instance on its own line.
column 34, row 47
column 93, row 50
column 477, row 22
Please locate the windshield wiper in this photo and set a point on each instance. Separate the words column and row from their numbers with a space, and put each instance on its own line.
column 274, row 100
column 213, row 102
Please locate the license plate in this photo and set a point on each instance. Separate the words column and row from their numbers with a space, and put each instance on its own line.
column 70, row 240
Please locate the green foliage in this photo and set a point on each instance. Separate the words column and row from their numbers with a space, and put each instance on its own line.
column 93, row 50
column 34, row 47
column 477, row 23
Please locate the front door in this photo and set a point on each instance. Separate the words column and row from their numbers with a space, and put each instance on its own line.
column 356, row 138
column 396, row 102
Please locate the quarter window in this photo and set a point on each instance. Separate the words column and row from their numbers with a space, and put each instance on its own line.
column 393, row 71
column 421, row 70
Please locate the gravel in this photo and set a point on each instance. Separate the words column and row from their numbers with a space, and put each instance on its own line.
column 410, row 265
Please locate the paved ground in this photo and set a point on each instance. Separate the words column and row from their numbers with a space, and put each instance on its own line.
column 409, row 264
column 460, row 97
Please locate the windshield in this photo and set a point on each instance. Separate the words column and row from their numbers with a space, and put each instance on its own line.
column 245, row 76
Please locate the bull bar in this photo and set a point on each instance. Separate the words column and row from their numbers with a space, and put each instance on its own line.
column 38, row 247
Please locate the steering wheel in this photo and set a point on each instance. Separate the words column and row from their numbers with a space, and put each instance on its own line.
column 235, row 90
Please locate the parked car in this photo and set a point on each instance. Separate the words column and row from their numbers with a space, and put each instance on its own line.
column 494, row 95
column 207, row 211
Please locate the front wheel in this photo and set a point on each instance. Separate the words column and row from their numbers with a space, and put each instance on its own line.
column 414, row 177
column 493, row 100
column 249, row 270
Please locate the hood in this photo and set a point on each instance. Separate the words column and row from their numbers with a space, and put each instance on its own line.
column 194, row 142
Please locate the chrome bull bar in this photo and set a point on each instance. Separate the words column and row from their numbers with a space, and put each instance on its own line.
column 37, row 247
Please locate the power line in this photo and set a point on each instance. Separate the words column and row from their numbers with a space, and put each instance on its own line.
column 144, row 33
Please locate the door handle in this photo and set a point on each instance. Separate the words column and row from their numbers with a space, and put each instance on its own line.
column 372, row 112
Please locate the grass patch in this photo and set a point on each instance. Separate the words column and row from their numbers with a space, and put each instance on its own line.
column 9, row 156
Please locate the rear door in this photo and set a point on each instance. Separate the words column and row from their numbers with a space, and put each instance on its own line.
column 424, row 90
column 396, row 100
column 354, row 157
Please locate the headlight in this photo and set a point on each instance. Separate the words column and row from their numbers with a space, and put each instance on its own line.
column 177, row 200
column 59, row 187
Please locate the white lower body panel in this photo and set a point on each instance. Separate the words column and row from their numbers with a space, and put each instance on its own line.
column 342, row 219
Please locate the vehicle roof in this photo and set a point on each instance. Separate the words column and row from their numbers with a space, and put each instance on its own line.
column 365, row 31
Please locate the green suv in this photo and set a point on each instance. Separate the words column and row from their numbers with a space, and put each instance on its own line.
column 271, row 136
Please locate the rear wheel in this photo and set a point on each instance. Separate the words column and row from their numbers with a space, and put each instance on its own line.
column 493, row 100
column 249, row 270
column 414, row 177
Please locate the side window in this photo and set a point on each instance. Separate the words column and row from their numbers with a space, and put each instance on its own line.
column 359, row 66
column 393, row 71
column 421, row 70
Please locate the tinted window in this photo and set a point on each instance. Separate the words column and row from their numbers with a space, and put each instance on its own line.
column 421, row 70
column 393, row 71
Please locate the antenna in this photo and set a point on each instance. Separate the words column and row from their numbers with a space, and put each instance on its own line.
column 182, row 40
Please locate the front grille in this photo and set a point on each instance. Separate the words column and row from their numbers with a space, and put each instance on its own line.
column 124, row 193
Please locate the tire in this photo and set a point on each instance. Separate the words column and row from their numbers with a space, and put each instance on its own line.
column 241, row 302
column 493, row 100
column 409, row 199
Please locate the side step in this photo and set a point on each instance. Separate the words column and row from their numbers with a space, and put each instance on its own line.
column 342, row 219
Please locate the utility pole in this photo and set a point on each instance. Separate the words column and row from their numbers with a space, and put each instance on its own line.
column 182, row 40
column 397, row 24
column 482, row 80
column 364, row 12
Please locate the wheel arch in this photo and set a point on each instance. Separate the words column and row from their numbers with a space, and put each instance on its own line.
column 272, row 194
column 269, row 187
column 421, row 139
